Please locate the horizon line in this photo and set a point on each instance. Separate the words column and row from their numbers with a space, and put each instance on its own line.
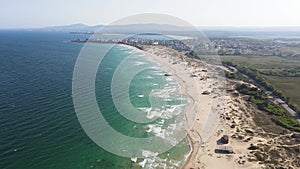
column 202, row 26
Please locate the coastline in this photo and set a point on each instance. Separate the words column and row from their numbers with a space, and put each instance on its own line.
column 190, row 87
column 237, row 118
column 203, row 140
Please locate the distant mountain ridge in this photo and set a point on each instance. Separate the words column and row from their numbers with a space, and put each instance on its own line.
column 122, row 29
column 72, row 28
column 84, row 27
column 221, row 31
column 116, row 28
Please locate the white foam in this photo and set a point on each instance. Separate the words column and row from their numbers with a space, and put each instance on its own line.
column 155, row 68
column 161, row 122
column 143, row 163
column 153, row 161
column 158, row 72
column 169, row 79
column 151, row 112
column 148, row 77
column 147, row 153
column 145, row 109
column 139, row 63
column 134, row 159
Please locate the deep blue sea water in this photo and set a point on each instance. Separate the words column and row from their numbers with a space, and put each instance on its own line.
column 38, row 124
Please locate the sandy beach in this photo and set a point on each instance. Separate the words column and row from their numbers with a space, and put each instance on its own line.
column 195, row 78
column 211, row 115
column 188, row 73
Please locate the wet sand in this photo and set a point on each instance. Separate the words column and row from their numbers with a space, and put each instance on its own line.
column 205, row 114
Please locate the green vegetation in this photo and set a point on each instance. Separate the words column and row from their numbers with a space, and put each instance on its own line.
column 260, row 99
column 279, row 75
column 254, row 74
column 230, row 75
column 289, row 86
column 287, row 122
column 191, row 54
column 274, row 155
column 265, row 154
column 260, row 156
column 264, row 63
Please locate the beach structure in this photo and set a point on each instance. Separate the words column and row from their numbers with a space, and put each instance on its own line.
column 225, row 139
column 206, row 92
column 224, row 150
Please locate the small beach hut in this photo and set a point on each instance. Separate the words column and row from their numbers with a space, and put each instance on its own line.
column 224, row 150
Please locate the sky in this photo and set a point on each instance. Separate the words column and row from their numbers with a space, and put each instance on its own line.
column 41, row 13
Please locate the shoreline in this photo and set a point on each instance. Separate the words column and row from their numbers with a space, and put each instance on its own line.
column 190, row 88
column 191, row 100
column 237, row 121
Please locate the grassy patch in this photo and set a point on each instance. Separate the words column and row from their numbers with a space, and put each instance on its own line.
column 259, row 98
column 278, row 72
column 287, row 122
column 289, row 86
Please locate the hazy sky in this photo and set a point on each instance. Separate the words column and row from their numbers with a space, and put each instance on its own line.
column 39, row 13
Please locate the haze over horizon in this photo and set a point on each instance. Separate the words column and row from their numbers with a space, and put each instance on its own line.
column 263, row 13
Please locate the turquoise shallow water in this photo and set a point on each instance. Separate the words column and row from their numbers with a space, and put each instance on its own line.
column 39, row 127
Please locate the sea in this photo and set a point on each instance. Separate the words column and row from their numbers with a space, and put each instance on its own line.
column 39, row 127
